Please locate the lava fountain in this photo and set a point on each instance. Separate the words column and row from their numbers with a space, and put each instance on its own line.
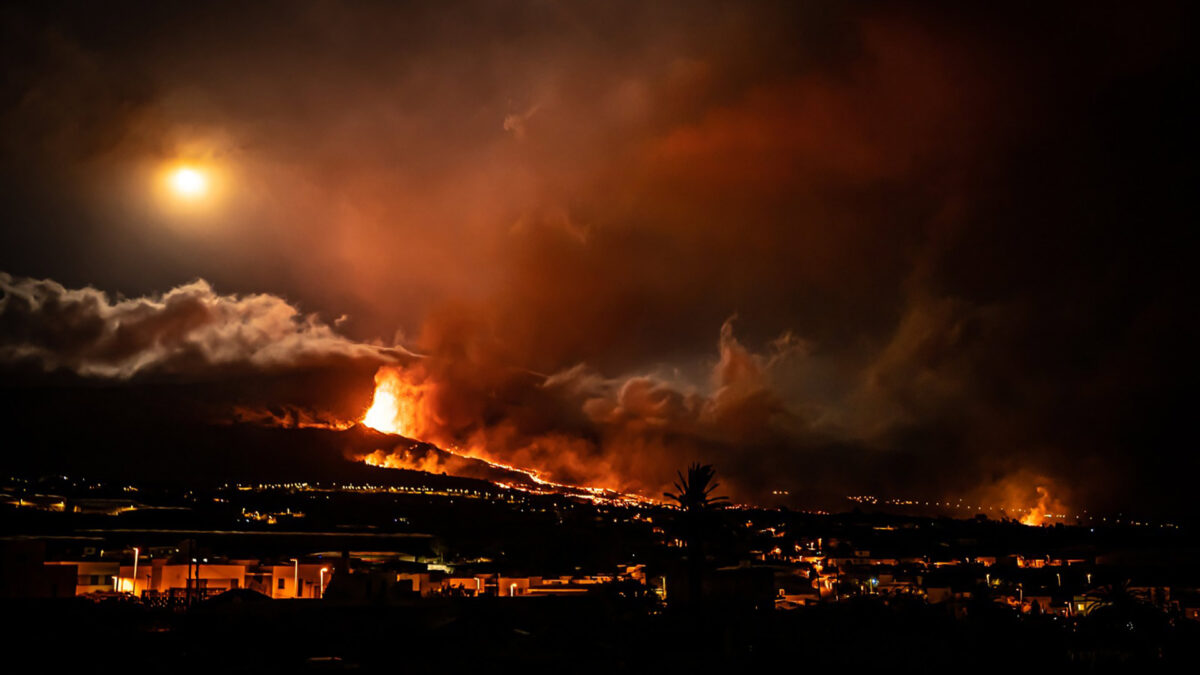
column 396, row 406
column 401, row 406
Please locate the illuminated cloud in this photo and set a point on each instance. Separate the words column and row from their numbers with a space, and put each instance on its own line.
column 189, row 329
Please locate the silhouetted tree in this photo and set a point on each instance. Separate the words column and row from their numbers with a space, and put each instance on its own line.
column 695, row 499
column 1116, row 596
column 695, row 490
column 1119, row 620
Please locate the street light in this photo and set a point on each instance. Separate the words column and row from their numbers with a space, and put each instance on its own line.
column 136, row 551
column 296, row 576
column 323, row 571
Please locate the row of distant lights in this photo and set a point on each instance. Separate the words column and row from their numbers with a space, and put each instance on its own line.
column 861, row 499
column 91, row 485
column 426, row 490
column 353, row 487
column 871, row 499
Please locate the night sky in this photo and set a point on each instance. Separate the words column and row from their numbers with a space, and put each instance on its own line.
column 926, row 250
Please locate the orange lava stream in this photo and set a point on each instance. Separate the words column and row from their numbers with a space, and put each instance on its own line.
column 396, row 409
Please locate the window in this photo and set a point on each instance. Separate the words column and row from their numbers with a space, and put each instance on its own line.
column 282, row 581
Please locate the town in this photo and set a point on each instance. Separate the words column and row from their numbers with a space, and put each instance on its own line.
column 429, row 541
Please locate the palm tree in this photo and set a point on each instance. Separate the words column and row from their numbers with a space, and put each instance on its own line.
column 695, row 490
column 1120, row 619
column 1118, row 596
column 694, row 495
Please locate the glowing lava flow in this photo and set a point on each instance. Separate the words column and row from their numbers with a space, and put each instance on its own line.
column 397, row 409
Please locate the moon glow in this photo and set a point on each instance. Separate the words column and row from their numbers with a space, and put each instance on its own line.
column 188, row 183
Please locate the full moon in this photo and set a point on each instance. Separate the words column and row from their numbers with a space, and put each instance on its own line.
column 188, row 183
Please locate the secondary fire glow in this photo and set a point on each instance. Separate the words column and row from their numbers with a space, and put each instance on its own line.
column 404, row 459
column 1039, row 513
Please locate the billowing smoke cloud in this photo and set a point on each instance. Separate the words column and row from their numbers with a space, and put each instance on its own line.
column 189, row 329
column 966, row 218
column 580, row 427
